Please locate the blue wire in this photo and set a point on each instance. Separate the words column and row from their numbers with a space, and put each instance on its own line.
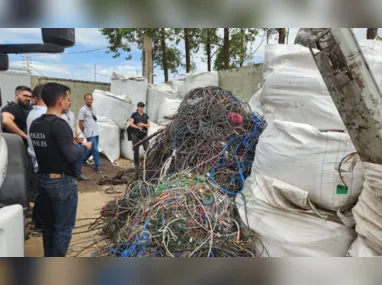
column 249, row 142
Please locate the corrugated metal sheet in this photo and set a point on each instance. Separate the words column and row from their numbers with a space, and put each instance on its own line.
column 9, row 81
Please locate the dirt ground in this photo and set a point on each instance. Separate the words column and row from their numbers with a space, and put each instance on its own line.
column 91, row 198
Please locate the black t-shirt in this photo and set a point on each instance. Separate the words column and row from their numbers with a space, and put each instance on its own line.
column 20, row 115
column 140, row 119
column 52, row 140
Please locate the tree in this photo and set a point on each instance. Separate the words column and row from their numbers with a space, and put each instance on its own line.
column 238, row 51
column 192, row 39
column 371, row 33
column 123, row 39
column 210, row 40
column 282, row 35
column 164, row 53
column 226, row 48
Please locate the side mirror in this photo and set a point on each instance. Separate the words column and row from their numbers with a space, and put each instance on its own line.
column 62, row 37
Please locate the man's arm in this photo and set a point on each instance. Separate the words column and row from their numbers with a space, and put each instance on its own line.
column 76, row 138
column 9, row 124
column 75, row 130
column 81, row 125
column 69, row 150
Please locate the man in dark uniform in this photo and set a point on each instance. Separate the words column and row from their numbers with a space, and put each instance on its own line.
column 139, row 124
column 15, row 122
column 57, row 156
column 15, row 113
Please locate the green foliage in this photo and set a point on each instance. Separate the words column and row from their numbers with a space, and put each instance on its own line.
column 122, row 40
column 239, row 39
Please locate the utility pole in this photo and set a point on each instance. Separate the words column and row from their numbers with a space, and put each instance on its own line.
column 148, row 48
column 27, row 64
column 95, row 73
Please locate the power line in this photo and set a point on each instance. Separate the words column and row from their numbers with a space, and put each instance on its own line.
column 84, row 51
column 37, row 71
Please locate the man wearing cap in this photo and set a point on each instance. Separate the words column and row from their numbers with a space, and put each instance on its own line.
column 139, row 122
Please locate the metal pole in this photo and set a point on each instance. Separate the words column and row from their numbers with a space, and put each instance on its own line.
column 148, row 48
column 353, row 89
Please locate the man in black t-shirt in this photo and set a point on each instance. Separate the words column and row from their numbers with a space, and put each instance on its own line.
column 57, row 156
column 139, row 122
column 15, row 113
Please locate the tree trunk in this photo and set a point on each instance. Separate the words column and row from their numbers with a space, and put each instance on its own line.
column 164, row 55
column 242, row 47
column 187, row 48
column 372, row 33
column 282, row 35
column 226, row 48
column 143, row 62
column 208, row 49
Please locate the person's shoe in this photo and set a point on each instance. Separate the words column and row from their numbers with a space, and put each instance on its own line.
column 82, row 178
column 99, row 170
column 37, row 232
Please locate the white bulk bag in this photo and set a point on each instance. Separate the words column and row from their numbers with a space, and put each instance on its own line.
column 155, row 95
column 134, row 86
column 294, row 89
column 127, row 146
column 195, row 80
column 368, row 211
column 359, row 249
column 255, row 103
column 12, row 228
column 372, row 50
column 113, row 107
column 168, row 108
column 287, row 223
column 304, row 157
column 109, row 141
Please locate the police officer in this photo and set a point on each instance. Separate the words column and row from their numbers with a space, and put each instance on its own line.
column 57, row 157
column 139, row 122
column 15, row 113
column 38, row 110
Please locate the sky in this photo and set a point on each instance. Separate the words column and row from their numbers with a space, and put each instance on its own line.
column 81, row 63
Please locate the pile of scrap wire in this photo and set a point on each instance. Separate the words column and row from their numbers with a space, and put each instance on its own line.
column 212, row 131
column 186, row 216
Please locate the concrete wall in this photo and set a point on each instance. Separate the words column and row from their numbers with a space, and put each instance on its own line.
column 9, row 81
column 242, row 82
column 79, row 88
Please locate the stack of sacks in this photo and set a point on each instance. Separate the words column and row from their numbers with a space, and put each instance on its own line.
column 156, row 94
column 113, row 111
column 195, row 80
column 305, row 148
column 127, row 146
column 133, row 86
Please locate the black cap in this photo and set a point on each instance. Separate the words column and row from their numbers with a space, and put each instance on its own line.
column 141, row 104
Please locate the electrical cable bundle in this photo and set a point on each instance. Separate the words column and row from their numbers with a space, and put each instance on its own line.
column 182, row 203
column 212, row 131
column 186, row 216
